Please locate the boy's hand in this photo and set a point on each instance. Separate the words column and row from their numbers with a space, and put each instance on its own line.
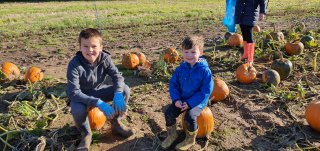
column 106, row 109
column 261, row 17
column 118, row 103
column 184, row 106
column 178, row 104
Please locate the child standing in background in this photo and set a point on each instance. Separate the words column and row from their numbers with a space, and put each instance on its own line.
column 245, row 15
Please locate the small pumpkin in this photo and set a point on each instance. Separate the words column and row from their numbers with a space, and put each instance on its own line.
column 256, row 28
column 142, row 58
column 282, row 66
column 246, row 74
column 33, row 74
column 294, row 48
column 307, row 41
column 220, row 90
column 271, row 77
column 312, row 115
column 235, row 40
column 96, row 118
column 205, row 123
column 277, row 36
column 10, row 70
column 170, row 55
column 130, row 60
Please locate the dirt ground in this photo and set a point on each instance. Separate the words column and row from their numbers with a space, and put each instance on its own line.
column 249, row 119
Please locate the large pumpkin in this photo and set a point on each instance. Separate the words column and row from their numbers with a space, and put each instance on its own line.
column 220, row 90
column 294, row 48
column 142, row 58
column 130, row 60
column 235, row 40
column 96, row 118
column 271, row 77
column 205, row 123
column 282, row 66
column 33, row 74
column 246, row 74
column 312, row 114
column 10, row 70
column 170, row 55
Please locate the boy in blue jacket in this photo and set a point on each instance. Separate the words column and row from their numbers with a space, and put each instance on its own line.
column 245, row 15
column 87, row 87
column 190, row 87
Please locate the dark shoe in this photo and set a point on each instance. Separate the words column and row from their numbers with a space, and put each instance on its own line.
column 85, row 143
column 120, row 129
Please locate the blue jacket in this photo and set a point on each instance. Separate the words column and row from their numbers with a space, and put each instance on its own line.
column 247, row 11
column 192, row 85
column 83, row 77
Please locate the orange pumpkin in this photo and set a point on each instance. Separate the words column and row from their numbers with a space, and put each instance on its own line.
column 33, row 74
column 142, row 58
column 220, row 90
column 10, row 70
column 205, row 123
column 130, row 60
column 170, row 55
column 312, row 115
column 235, row 40
column 246, row 75
column 256, row 28
column 294, row 48
column 96, row 118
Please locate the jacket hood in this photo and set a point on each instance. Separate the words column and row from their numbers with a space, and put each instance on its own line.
column 200, row 64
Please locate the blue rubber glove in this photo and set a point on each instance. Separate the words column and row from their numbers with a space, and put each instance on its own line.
column 118, row 101
column 106, row 109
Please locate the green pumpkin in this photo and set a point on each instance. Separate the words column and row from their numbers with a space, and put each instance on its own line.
column 271, row 77
column 307, row 40
column 282, row 66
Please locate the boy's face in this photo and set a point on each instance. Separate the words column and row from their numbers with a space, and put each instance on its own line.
column 91, row 48
column 191, row 55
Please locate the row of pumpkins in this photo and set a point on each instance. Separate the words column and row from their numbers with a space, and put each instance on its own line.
column 11, row 72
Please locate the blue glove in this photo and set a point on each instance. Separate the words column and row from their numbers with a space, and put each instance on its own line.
column 118, row 102
column 106, row 109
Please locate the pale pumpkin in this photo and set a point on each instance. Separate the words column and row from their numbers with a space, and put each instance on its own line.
column 10, row 71
column 33, row 74
column 271, row 77
column 170, row 55
column 142, row 58
column 96, row 118
column 235, row 40
column 294, row 48
column 246, row 75
column 312, row 115
column 205, row 123
column 220, row 90
column 130, row 61
column 256, row 28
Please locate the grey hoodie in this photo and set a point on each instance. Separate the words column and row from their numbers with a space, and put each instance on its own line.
column 84, row 78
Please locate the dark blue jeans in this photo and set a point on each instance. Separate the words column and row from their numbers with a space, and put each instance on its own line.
column 79, row 110
column 191, row 115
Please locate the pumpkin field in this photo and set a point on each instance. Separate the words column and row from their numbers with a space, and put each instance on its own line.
column 272, row 106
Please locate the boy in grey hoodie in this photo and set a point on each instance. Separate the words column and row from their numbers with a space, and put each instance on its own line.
column 87, row 87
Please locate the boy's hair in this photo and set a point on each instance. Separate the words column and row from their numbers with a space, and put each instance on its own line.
column 88, row 33
column 192, row 41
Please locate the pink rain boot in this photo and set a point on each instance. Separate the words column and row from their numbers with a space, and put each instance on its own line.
column 245, row 51
column 250, row 47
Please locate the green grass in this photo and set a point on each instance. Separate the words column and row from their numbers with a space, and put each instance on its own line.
column 17, row 18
